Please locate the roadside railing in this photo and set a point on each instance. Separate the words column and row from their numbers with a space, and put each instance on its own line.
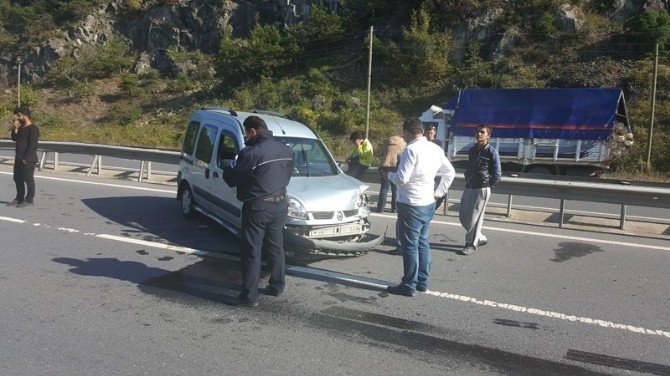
column 621, row 193
column 144, row 155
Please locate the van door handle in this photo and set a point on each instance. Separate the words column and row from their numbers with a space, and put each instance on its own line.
column 207, row 173
column 215, row 174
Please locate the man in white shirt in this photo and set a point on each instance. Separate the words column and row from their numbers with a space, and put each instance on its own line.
column 419, row 164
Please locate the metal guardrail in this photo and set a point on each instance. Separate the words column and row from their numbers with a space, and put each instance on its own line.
column 605, row 192
column 145, row 155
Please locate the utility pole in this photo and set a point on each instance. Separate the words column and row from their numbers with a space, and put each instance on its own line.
column 18, row 85
column 367, row 114
column 653, row 109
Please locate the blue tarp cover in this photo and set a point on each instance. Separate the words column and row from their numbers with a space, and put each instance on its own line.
column 584, row 114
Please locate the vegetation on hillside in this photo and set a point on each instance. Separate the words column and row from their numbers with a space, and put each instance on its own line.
column 315, row 71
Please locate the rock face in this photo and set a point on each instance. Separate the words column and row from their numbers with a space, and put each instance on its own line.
column 569, row 18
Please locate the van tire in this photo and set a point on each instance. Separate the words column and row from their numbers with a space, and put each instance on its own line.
column 187, row 204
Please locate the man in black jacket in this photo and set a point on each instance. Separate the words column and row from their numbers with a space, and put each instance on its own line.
column 26, row 134
column 261, row 174
column 482, row 174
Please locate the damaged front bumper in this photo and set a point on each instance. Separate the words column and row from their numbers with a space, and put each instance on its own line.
column 297, row 245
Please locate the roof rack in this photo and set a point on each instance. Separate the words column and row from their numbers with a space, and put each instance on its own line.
column 219, row 108
column 271, row 113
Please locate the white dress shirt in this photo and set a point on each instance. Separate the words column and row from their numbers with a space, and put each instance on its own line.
column 419, row 164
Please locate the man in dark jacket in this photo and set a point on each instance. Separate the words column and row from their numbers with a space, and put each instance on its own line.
column 26, row 134
column 261, row 174
column 482, row 174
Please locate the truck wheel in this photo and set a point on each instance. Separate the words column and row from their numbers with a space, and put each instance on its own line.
column 187, row 206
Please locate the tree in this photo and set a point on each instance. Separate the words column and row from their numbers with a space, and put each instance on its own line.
column 650, row 28
column 262, row 54
column 421, row 57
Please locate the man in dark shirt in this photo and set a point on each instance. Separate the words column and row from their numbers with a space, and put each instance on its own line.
column 261, row 174
column 26, row 134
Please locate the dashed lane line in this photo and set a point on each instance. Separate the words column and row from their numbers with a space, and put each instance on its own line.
column 364, row 281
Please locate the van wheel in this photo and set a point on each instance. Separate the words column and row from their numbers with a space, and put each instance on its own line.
column 187, row 206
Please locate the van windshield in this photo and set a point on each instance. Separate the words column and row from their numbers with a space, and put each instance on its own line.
column 310, row 157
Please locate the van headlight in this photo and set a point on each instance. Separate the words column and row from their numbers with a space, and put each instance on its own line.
column 296, row 209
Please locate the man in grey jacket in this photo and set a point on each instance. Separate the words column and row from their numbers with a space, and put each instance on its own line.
column 482, row 174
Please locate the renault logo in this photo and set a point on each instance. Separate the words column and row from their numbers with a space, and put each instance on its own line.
column 340, row 216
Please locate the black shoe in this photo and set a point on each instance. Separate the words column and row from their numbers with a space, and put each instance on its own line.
column 25, row 204
column 399, row 290
column 14, row 202
column 421, row 288
column 238, row 302
column 272, row 291
column 482, row 241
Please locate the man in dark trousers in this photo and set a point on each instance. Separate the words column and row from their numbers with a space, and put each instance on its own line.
column 26, row 134
column 261, row 174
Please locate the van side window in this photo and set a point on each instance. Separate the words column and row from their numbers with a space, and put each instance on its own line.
column 189, row 138
column 227, row 150
column 206, row 143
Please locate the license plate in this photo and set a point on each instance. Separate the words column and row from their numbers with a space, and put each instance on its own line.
column 350, row 229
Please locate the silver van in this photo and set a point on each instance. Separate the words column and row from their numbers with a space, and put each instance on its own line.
column 328, row 210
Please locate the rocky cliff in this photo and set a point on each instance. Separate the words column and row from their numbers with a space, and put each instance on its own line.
column 191, row 25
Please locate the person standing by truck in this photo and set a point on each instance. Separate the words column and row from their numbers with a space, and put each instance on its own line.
column 261, row 173
column 26, row 135
column 482, row 174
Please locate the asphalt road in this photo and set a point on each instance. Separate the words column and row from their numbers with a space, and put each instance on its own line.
column 105, row 277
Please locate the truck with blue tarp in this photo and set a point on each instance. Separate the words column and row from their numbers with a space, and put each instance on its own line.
column 558, row 131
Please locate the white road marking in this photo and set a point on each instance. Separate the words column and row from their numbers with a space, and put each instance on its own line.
column 10, row 219
column 68, row 229
column 383, row 284
column 101, row 184
column 550, row 314
column 555, row 236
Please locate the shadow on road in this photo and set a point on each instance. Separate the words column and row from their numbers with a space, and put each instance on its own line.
column 158, row 219
column 216, row 281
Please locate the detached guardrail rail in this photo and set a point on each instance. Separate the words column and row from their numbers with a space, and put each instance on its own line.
column 622, row 193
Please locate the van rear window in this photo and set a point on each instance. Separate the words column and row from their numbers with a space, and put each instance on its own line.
column 189, row 137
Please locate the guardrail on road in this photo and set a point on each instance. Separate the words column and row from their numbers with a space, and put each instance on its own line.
column 605, row 192
column 146, row 156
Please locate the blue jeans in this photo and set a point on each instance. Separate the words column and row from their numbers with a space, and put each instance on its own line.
column 384, row 192
column 413, row 226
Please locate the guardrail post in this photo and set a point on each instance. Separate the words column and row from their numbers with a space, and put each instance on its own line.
column 148, row 170
column 95, row 163
column 139, row 179
column 55, row 160
column 42, row 161
column 99, row 164
column 622, row 222
column 509, row 206
column 561, row 213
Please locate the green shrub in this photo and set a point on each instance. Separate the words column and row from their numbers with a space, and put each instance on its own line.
column 129, row 84
column 124, row 115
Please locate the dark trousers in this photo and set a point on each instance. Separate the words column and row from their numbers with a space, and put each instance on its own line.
column 24, row 177
column 383, row 194
column 262, row 232
column 357, row 170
